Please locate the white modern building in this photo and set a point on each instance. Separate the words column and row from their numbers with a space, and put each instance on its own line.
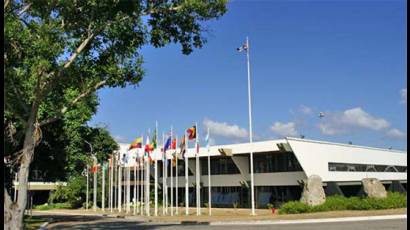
column 279, row 167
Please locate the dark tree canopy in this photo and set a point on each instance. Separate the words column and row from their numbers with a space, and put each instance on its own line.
column 58, row 53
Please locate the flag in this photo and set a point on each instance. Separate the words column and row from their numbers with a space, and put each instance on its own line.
column 94, row 169
column 148, row 147
column 191, row 132
column 167, row 144
column 137, row 143
column 242, row 48
column 124, row 158
column 154, row 139
column 182, row 146
column 197, row 147
column 174, row 159
column 174, row 144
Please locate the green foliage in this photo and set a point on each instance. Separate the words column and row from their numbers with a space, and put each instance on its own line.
column 333, row 203
column 47, row 206
column 269, row 206
column 58, row 54
column 73, row 193
column 294, row 207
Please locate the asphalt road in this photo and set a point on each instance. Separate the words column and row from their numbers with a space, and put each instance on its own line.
column 97, row 223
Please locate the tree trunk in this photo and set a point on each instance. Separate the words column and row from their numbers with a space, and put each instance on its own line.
column 15, row 211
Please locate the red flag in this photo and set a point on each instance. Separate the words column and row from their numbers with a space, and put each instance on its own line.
column 174, row 144
column 191, row 132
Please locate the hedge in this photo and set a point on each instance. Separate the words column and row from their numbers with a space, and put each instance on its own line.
column 334, row 203
column 53, row 206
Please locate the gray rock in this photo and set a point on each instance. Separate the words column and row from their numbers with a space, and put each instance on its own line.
column 313, row 193
column 372, row 187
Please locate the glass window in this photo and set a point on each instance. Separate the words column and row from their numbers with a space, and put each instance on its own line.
column 344, row 167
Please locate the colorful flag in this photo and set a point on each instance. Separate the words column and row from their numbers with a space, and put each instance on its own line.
column 174, row 144
column 191, row 132
column 154, row 139
column 94, row 169
column 242, row 48
column 182, row 146
column 137, row 143
column 167, row 144
column 148, row 147
column 124, row 158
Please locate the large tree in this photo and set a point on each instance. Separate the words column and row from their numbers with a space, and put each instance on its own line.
column 58, row 53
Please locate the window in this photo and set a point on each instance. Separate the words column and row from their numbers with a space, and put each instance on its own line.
column 276, row 162
column 346, row 167
column 219, row 166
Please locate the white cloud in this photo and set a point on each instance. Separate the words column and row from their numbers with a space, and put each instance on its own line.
column 403, row 95
column 284, row 129
column 305, row 110
column 339, row 123
column 225, row 130
column 396, row 134
column 120, row 139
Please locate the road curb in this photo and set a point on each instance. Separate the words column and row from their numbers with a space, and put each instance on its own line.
column 305, row 221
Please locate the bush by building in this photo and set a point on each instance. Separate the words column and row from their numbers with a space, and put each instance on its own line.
column 334, row 203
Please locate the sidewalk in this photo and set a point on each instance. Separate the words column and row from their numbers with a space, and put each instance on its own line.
column 241, row 216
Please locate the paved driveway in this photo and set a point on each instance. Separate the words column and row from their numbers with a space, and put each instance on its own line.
column 97, row 223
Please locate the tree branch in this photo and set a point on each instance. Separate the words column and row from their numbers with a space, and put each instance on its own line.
column 24, row 9
column 73, row 102
column 79, row 50
column 6, row 3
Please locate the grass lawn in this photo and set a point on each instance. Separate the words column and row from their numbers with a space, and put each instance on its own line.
column 33, row 222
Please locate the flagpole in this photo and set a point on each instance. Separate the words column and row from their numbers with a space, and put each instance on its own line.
column 186, row 177
column 86, row 195
column 156, row 171
column 95, row 185
column 166, row 181
column 209, row 177
column 141, row 166
column 128, row 186
column 172, row 182
column 110, row 183
column 176, row 176
column 198, row 188
column 147, row 181
column 119, row 185
column 250, row 126
column 135, row 186
column 163, row 174
column 138, row 181
column 103, row 188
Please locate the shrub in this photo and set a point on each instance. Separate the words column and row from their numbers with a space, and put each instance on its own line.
column 53, row 206
column 294, row 207
column 269, row 206
column 333, row 203
column 73, row 193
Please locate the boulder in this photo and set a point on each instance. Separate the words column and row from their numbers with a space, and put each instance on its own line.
column 372, row 187
column 313, row 193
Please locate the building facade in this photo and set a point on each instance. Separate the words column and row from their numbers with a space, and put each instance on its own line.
column 279, row 168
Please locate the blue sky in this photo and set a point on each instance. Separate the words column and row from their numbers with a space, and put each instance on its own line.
column 346, row 59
